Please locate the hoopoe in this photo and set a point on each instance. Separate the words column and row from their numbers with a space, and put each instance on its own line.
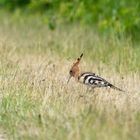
column 89, row 78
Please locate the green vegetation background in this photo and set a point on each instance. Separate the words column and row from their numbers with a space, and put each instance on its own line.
column 119, row 16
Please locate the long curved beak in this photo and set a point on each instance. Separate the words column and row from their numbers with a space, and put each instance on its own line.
column 69, row 79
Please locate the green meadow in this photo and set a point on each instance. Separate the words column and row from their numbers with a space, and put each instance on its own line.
column 35, row 100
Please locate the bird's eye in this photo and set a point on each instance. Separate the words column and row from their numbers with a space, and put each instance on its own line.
column 72, row 73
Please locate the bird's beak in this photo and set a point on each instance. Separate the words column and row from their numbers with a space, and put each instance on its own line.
column 69, row 79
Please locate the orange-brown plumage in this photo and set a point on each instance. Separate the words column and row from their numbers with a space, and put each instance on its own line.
column 75, row 71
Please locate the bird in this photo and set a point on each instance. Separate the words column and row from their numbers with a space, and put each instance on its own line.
column 88, row 78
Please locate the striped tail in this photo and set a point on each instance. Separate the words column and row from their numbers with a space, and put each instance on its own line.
column 116, row 88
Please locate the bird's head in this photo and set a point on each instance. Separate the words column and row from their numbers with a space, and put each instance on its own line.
column 75, row 71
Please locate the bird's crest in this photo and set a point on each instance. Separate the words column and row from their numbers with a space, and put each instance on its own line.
column 78, row 60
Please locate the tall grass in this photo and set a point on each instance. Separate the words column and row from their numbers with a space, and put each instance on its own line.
column 36, row 102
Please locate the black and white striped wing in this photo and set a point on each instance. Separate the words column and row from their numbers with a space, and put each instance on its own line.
column 93, row 80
